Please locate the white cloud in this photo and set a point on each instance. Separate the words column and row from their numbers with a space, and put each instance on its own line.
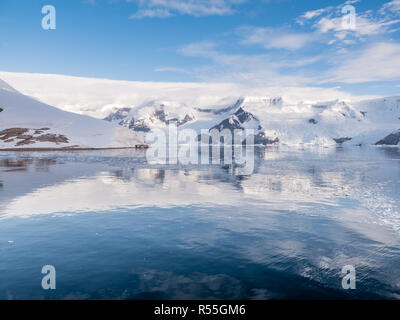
column 197, row 8
column 204, row 49
column 252, row 69
column 392, row 6
column 365, row 26
column 152, row 13
column 379, row 62
column 271, row 38
column 97, row 97
column 329, row 21
column 169, row 69
column 312, row 14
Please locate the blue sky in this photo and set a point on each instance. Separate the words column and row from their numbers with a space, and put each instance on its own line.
column 253, row 42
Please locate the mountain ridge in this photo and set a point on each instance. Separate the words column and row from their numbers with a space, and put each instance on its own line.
column 276, row 121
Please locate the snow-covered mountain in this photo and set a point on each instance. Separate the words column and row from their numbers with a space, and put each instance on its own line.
column 285, row 116
column 276, row 121
column 28, row 123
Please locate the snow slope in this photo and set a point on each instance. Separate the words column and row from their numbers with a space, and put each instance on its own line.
column 28, row 123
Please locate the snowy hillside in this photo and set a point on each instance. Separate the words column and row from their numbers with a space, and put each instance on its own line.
column 28, row 123
column 277, row 121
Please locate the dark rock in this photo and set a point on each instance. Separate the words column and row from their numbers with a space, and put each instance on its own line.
column 120, row 114
column 186, row 119
column 313, row 121
column 25, row 142
column 128, row 123
column 243, row 115
column 50, row 137
column 161, row 115
column 140, row 126
column 232, row 123
column 261, row 138
column 392, row 139
column 24, row 136
column 235, row 121
column 341, row 140
column 12, row 133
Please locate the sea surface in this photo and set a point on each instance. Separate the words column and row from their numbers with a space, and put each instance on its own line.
column 115, row 227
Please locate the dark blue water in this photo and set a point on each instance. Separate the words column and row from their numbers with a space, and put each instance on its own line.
column 117, row 228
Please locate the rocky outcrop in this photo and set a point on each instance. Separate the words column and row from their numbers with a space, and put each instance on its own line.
column 312, row 121
column 392, row 139
column 232, row 123
column 12, row 133
column 118, row 115
column 244, row 116
column 145, row 123
column 21, row 136
column 140, row 125
column 262, row 139
column 341, row 140
column 236, row 121
column 186, row 119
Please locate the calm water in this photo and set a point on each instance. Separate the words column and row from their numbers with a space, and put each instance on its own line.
column 117, row 228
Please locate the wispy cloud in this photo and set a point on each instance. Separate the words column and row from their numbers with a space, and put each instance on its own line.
column 329, row 20
column 312, row 14
column 170, row 69
column 203, row 49
column 276, row 38
column 197, row 8
column 258, row 69
column 379, row 62
column 391, row 7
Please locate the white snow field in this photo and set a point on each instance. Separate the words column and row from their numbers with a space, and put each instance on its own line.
column 28, row 123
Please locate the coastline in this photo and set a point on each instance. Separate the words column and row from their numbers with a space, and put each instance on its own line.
column 137, row 147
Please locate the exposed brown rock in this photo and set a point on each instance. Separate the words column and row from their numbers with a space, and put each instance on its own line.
column 52, row 138
column 24, row 136
column 12, row 132
column 25, row 142
column 40, row 131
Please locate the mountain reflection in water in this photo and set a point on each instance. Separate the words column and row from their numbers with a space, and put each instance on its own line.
column 117, row 228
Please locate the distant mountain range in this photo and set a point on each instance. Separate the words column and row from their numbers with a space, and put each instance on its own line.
column 26, row 122
column 275, row 121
